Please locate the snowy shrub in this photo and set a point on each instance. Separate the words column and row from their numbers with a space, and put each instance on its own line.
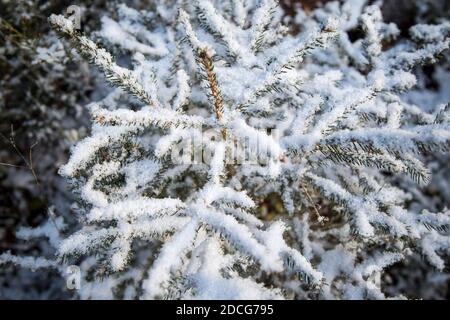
column 43, row 88
column 413, row 277
column 220, row 113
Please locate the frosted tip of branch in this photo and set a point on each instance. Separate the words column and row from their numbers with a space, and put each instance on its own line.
column 331, row 25
column 62, row 23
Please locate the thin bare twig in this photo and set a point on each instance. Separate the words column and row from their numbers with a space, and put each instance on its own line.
column 320, row 218
column 11, row 165
column 28, row 162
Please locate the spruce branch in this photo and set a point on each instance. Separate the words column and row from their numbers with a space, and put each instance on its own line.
column 116, row 75
column 260, row 24
column 315, row 124
column 317, row 39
